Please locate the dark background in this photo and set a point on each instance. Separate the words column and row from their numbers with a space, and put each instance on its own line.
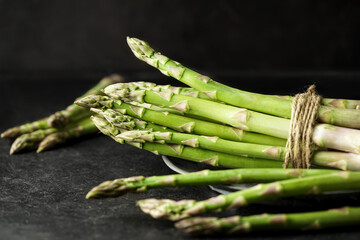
column 83, row 38
column 53, row 51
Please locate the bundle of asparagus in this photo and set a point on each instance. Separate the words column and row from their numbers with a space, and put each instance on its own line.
column 210, row 137
column 46, row 133
column 218, row 125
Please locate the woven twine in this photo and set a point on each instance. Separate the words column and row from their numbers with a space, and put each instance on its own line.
column 303, row 116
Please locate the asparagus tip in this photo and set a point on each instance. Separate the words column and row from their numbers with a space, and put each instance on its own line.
column 12, row 151
column 40, row 149
column 19, row 144
column 50, row 141
column 89, row 195
column 10, row 133
column 165, row 208
column 198, row 225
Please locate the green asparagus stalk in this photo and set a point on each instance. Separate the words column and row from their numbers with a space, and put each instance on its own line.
column 188, row 153
column 339, row 138
column 342, row 103
column 82, row 128
column 25, row 128
column 341, row 160
column 338, row 103
column 74, row 112
column 173, row 210
column 123, row 186
column 345, row 216
column 30, row 140
column 262, row 103
column 160, row 88
column 180, row 123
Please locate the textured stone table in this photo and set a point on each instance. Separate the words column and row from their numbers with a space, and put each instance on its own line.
column 42, row 196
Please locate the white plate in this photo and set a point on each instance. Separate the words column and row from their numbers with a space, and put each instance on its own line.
column 184, row 167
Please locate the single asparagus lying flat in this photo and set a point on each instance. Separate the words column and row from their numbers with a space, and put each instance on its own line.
column 188, row 153
column 262, row 103
column 123, row 186
column 180, row 123
column 346, row 216
column 173, row 210
column 325, row 135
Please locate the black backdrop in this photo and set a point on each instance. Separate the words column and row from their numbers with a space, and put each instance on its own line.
column 85, row 38
column 52, row 51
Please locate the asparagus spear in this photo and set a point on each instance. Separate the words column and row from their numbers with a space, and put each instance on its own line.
column 123, row 186
column 342, row 103
column 338, row 103
column 30, row 140
column 173, row 210
column 14, row 132
column 188, row 153
column 180, row 123
column 124, row 122
column 341, row 160
column 82, row 128
column 48, row 138
column 74, row 112
column 262, row 103
column 160, row 88
column 345, row 139
column 345, row 216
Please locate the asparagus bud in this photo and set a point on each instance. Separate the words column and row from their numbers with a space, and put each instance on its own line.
column 30, row 140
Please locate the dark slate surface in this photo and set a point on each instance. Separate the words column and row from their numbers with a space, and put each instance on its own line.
column 42, row 195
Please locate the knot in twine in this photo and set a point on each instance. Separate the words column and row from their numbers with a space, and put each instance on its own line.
column 303, row 116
